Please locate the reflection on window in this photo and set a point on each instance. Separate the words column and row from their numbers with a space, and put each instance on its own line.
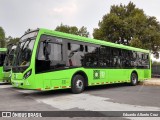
column 91, row 57
column 24, row 53
column 75, row 55
column 56, row 52
column 49, row 61
column 2, row 57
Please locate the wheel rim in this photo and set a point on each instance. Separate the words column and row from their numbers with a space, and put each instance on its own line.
column 134, row 79
column 79, row 84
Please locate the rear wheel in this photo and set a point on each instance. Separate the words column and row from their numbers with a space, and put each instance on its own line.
column 77, row 84
column 134, row 79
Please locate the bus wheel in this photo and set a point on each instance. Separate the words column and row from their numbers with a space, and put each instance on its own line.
column 77, row 84
column 134, row 79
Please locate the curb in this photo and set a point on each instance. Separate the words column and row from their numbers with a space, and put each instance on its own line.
column 151, row 82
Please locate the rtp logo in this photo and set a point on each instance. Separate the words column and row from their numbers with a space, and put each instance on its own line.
column 96, row 74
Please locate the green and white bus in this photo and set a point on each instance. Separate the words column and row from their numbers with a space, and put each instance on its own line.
column 8, row 62
column 50, row 60
column 2, row 57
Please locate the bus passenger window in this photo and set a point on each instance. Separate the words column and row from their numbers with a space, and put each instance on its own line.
column 56, row 52
column 49, row 61
column 2, row 57
column 75, row 55
column 91, row 58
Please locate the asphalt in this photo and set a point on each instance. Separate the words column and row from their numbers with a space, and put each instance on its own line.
column 117, row 97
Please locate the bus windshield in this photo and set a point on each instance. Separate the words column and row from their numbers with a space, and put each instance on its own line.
column 9, row 57
column 10, row 54
column 2, row 57
column 24, row 50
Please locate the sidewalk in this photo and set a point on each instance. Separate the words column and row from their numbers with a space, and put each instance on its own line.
column 152, row 81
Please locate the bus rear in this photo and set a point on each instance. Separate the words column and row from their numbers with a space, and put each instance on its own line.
column 2, row 58
column 8, row 62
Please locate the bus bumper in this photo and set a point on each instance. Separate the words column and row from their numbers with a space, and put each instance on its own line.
column 17, row 83
column 7, row 77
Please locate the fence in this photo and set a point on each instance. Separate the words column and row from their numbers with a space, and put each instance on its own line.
column 155, row 70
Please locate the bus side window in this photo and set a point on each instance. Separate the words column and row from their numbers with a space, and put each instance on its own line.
column 50, row 61
column 134, row 55
column 145, row 61
column 108, row 56
column 126, row 59
column 91, row 57
column 75, row 55
column 117, row 58
column 102, row 56
column 123, row 58
column 56, row 52
column 139, row 59
column 40, row 55
column 2, row 57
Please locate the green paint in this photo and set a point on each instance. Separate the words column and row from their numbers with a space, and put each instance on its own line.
column 50, row 80
column 2, row 51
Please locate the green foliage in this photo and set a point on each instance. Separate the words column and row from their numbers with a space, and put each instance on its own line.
column 2, row 37
column 73, row 30
column 5, row 41
column 12, row 40
column 129, row 25
column 135, row 42
column 156, row 63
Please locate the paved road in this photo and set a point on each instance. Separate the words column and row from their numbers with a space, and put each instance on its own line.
column 118, row 97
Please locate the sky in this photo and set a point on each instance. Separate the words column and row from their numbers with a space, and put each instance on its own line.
column 16, row 16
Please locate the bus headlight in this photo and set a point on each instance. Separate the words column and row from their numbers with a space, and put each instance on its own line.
column 27, row 74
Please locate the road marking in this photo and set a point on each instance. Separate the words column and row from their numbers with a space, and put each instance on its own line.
column 2, row 85
column 91, row 103
column 86, row 102
column 5, row 86
column 26, row 91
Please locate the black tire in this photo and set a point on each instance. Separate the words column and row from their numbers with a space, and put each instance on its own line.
column 77, row 84
column 134, row 79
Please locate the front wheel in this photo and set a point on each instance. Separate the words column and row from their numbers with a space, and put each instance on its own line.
column 77, row 84
column 134, row 79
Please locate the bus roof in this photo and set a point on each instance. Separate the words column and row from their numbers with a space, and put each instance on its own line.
column 89, row 40
column 3, row 49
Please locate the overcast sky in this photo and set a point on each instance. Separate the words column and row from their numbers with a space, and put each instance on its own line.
column 16, row 16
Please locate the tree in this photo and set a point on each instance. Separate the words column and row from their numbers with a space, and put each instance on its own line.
column 73, row 30
column 126, row 24
column 11, row 40
column 2, row 37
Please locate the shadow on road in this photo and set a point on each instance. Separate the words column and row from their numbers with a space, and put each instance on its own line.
column 54, row 93
column 3, row 83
